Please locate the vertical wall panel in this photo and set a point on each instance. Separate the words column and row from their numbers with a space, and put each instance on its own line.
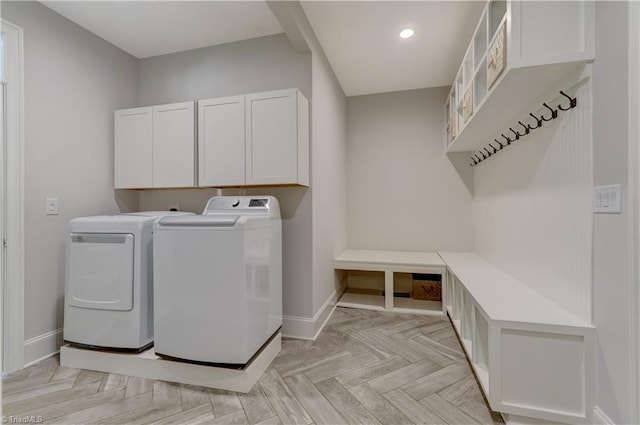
column 532, row 207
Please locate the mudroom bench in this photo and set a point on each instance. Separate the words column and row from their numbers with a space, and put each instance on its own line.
column 388, row 263
column 533, row 358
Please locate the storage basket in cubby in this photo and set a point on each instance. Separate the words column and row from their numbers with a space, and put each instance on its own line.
column 427, row 287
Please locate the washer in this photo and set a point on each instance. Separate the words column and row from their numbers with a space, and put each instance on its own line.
column 108, row 287
column 218, row 281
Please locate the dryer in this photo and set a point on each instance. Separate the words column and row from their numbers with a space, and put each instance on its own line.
column 218, row 281
column 108, row 285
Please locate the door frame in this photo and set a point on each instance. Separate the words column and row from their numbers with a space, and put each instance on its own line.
column 634, row 198
column 14, row 274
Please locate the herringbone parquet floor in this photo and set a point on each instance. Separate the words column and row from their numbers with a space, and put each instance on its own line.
column 364, row 368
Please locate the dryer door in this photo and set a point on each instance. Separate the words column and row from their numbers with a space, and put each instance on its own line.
column 100, row 274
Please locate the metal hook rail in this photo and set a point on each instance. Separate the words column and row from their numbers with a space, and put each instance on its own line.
column 488, row 152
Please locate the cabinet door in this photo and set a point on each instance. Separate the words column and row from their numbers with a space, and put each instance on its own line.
column 271, row 132
column 133, row 167
column 174, row 145
column 221, row 142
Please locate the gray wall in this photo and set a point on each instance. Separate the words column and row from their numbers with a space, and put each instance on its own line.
column 261, row 64
column 328, row 165
column 73, row 82
column 404, row 193
column 329, row 176
column 612, row 280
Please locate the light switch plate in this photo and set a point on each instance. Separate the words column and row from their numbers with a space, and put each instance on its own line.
column 607, row 199
column 51, row 207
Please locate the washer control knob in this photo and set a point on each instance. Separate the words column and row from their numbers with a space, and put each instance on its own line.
column 236, row 203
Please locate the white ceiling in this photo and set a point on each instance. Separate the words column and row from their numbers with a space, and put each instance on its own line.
column 360, row 38
column 152, row 28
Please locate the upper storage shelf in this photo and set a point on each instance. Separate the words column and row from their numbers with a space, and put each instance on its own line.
column 519, row 50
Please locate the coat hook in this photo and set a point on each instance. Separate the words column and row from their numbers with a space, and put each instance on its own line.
column 572, row 102
column 538, row 122
column 490, row 150
column 554, row 113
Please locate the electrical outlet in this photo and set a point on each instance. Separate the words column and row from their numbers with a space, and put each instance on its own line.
column 607, row 199
column 51, row 206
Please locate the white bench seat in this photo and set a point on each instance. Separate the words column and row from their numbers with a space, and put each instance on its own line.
column 390, row 262
column 532, row 358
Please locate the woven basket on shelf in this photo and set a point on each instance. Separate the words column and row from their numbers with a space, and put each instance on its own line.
column 426, row 287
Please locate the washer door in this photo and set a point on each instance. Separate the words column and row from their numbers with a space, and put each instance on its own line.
column 100, row 272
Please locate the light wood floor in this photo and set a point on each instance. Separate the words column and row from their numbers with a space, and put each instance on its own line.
column 364, row 368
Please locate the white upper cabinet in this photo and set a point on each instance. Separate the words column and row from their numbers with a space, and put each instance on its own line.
column 133, row 148
column 254, row 139
column 155, row 146
column 520, row 50
column 174, row 145
column 221, row 141
column 247, row 140
column 277, row 138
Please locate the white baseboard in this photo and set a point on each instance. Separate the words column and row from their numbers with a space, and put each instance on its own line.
column 309, row 327
column 297, row 327
column 600, row 418
column 525, row 420
column 42, row 346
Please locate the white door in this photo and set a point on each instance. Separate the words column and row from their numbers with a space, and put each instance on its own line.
column 3, row 189
column 633, row 203
column 272, row 137
column 101, row 271
column 174, row 145
column 133, row 148
column 221, row 141
column 12, row 198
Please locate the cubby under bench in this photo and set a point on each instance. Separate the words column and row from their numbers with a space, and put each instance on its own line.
column 390, row 262
column 533, row 359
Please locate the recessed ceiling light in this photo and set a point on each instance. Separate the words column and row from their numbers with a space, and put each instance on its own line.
column 406, row 33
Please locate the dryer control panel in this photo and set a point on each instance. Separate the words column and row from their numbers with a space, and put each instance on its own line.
column 254, row 203
column 244, row 204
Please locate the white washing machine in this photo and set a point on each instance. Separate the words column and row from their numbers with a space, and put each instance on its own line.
column 108, row 288
column 218, row 281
